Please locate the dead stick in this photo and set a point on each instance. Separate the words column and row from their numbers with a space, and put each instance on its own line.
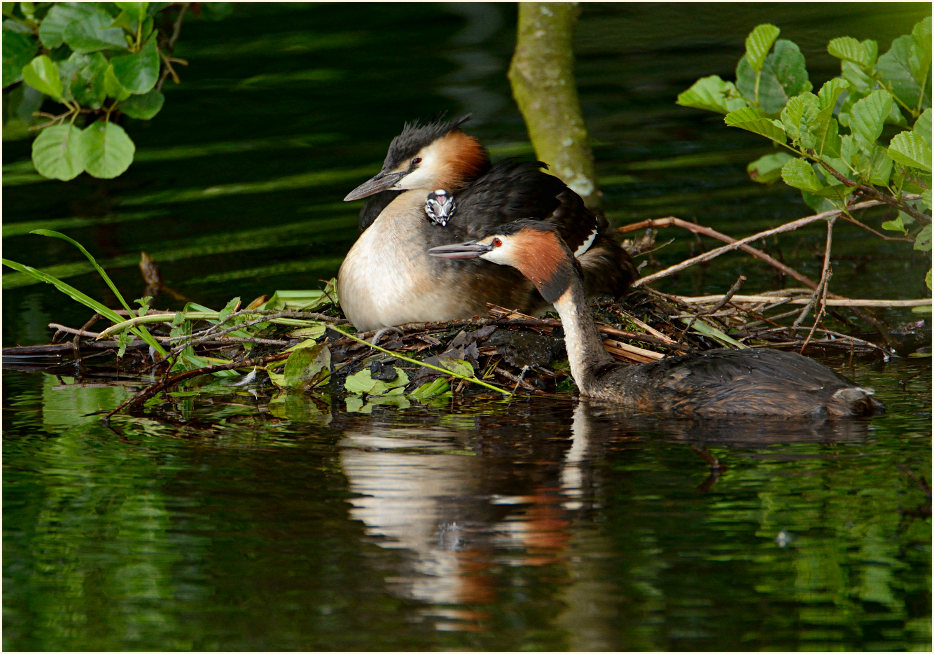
column 735, row 245
column 707, row 231
column 824, row 284
column 726, row 298
column 869, row 229
column 72, row 330
column 831, row 302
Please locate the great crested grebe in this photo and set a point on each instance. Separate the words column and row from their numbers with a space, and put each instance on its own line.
column 388, row 278
column 751, row 381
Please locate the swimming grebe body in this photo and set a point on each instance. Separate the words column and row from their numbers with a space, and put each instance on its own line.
column 388, row 278
column 751, row 381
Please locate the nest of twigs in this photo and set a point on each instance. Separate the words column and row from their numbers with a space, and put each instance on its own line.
column 504, row 352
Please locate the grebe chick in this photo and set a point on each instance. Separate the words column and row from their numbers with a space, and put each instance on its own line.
column 722, row 382
column 440, row 207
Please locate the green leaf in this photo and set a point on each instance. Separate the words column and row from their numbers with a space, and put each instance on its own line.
column 826, row 133
column 139, row 331
column 830, row 92
column 827, row 139
column 768, row 169
column 90, row 257
column 132, row 26
column 799, row 174
column 363, row 382
column 112, row 86
column 457, row 366
column 880, row 166
column 899, row 66
column 784, row 75
column 83, row 76
column 860, row 82
column 65, row 288
column 923, row 239
column 314, row 332
column 93, row 32
column 712, row 94
column 52, row 28
column 42, row 74
column 789, row 68
column 21, row 103
column 927, row 279
column 355, row 404
column 138, row 72
column 910, row 149
column 921, row 34
column 55, row 152
column 752, row 120
column 800, row 117
column 849, row 49
column 867, row 117
column 18, row 51
column 432, row 390
column 817, row 203
column 701, row 326
column 136, row 11
column 308, row 366
column 899, row 223
column 923, row 126
column 758, row 44
column 106, row 150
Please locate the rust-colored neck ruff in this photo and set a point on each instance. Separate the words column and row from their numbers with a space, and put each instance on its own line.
column 545, row 262
column 464, row 159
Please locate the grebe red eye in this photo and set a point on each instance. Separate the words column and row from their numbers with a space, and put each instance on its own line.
column 496, row 242
column 416, row 161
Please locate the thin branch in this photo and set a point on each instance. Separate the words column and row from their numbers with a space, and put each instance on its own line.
column 869, row 229
column 719, row 305
column 871, row 192
column 177, row 26
column 822, row 289
column 786, row 227
column 707, row 231
column 789, row 299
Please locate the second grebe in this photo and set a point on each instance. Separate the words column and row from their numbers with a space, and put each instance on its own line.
column 719, row 382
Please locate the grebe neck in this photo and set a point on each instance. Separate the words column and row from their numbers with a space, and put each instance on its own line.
column 586, row 354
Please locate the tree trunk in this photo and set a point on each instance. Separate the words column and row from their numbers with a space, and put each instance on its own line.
column 542, row 78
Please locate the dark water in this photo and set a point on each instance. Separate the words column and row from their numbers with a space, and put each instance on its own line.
column 230, row 521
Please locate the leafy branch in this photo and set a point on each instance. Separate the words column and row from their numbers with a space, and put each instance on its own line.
column 866, row 131
column 99, row 61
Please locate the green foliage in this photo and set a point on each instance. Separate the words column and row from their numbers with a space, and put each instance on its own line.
column 98, row 61
column 308, row 366
column 867, row 130
column 83, row 298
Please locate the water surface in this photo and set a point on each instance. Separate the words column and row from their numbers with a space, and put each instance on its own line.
column 236, row 520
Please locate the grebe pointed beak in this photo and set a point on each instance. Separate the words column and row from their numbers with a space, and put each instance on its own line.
column 380, row 182
column 469, row 250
